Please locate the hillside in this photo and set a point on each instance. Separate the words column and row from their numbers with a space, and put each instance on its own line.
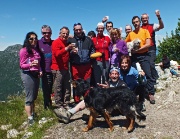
column 10, row 80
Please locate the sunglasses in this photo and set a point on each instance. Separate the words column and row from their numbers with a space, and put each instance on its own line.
column 31, row 39
column 46, row 32
column 77, row 24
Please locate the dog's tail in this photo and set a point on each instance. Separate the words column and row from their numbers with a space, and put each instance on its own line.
column 139, row 114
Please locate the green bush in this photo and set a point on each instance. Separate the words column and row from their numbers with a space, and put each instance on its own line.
column 170, row 45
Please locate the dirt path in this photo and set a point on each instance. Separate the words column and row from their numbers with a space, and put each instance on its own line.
column 163, row 121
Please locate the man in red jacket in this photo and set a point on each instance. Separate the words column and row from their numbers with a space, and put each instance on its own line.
column 61, row 75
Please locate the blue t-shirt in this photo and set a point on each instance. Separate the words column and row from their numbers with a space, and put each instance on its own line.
column 131, row 78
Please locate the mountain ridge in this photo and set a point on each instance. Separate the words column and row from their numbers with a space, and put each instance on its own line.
column 10, row 79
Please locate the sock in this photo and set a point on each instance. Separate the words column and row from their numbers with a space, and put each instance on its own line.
column 72, row 111
column 30, row 117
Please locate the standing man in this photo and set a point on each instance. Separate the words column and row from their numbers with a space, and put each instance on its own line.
column 60, row 70
column 109, row 25
column 128, row 29
column 80, row 56
column 141, row 55
column 46, row 60
column 152, row 28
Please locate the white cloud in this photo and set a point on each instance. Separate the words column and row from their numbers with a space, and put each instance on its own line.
column 159, row 38
column 2, row 37
column 33, row 19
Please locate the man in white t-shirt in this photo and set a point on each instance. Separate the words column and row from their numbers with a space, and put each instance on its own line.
column 108, row 24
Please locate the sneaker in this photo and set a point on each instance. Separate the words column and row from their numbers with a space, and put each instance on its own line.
column 33, row 115
column 30, row 122
column 143, row 107
column 63, row 115
column 151, row 99
column 66, row 106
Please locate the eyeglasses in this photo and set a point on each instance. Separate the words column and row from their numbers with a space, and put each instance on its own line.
column 46, row 32
column 31, row 39
column 77, row 29
column 77, row 24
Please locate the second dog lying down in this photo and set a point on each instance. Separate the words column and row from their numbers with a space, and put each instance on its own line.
column 104, row 100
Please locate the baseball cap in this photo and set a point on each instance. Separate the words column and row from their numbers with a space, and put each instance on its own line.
column 100, row 24
column 115, row 69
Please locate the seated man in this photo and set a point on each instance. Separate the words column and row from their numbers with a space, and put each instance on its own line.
column 115, row 81
column 165, row 62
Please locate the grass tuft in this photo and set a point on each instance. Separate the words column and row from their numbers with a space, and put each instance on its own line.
column 12, row 112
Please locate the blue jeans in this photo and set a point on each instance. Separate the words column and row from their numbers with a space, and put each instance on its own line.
column 152, row 54
column 144, row 60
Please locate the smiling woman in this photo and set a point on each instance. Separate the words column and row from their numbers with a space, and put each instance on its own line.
column 30, row 72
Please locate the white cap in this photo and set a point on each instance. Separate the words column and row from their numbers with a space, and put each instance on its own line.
column 156, row 10
column 100, row 24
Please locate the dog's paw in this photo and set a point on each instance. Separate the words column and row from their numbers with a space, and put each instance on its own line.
column 85, row 129
column 130, row 129
column 111, row 129
column 124, row 128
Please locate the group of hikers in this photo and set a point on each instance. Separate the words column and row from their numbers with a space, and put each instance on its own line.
column 101, row 59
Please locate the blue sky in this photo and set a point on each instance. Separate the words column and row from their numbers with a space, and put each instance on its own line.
column 17, row 17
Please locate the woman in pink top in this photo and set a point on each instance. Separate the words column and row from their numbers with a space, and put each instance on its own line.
column 30, row 66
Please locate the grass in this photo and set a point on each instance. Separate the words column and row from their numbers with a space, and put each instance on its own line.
column 12, row 112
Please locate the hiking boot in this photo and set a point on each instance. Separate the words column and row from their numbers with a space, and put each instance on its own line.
column 151, row 99
column 63, row 115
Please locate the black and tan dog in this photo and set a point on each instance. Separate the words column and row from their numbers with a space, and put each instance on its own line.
column 104, row 100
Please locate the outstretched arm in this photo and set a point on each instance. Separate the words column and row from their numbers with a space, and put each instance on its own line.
column 161, row 24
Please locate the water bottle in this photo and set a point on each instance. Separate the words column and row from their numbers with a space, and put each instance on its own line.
column 28, row 60
column 141, row 79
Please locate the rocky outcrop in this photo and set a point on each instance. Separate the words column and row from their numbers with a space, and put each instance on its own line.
column 23, row 129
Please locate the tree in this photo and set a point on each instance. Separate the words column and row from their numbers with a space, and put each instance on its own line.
column 170, row 45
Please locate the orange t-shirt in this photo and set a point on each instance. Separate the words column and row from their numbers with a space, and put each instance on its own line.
column 142, row 34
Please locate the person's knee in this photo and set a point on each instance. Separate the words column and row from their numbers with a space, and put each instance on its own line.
column 28, row 103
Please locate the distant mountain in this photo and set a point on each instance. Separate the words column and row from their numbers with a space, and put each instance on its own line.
column 10, row 80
